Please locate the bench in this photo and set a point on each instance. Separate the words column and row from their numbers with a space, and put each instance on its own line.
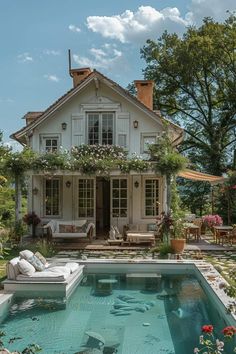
column 70, row 229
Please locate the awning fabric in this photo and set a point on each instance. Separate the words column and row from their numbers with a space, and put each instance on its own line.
column 199, row 176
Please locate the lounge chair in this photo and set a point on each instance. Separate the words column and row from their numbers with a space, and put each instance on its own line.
column 115, row 237
column 55, row 278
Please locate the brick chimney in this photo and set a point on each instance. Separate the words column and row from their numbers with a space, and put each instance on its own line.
column 145, row 92
column 79, row 74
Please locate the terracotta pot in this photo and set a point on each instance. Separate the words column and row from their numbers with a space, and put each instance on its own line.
column 177, row 245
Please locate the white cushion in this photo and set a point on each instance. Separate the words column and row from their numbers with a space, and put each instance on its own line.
column 69, row 235
column 25, row 267
column 12, row 268
column 42, row 277
column 72, row 266
column 112, row 234
column 69, row 222
column 26, row 254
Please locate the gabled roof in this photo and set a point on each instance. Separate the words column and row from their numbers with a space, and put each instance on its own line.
column 21, row 134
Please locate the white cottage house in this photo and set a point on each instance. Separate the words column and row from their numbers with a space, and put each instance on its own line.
column 97, row 111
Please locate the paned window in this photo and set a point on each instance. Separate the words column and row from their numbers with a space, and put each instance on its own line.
column 100, row 128
column 49, row 143
column 52, row 197
column 85, row 198
column 146, row 141
column 151, row 199
column 119, row 197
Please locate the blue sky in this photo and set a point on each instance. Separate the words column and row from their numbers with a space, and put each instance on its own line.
column 106, row 34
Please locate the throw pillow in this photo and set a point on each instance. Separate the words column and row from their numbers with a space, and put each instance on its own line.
column 12, row 268
column 78, row 229
column 112, row 234
column 38, row 265
column 117, row 232
column 66, row 228
column 25, row 267
column 81, row 229
column 26, row 254
column 41, row 257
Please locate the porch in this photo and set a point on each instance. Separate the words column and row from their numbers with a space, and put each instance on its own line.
column 118, row 199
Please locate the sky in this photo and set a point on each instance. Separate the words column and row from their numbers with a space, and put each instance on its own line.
column 107, row 35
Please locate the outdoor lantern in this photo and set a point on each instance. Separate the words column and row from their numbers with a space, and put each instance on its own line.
column 135, row 123
column 63, row 126
column 68, row 184
column 136, row 184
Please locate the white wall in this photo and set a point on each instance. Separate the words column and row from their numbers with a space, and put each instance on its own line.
column 75, row 108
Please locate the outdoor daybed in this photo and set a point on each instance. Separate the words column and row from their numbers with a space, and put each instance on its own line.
column 26, row 274
column 70, row 229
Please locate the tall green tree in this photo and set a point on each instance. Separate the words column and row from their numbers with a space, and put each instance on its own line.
column 195, row 84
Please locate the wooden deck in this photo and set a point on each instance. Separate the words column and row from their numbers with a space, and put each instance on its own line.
column 102, row 245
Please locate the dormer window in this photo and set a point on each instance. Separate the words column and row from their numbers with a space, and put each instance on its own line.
column 50, row 143
column 100, row 128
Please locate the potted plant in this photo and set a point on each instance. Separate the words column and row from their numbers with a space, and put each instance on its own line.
column 178, row 239
column 32, row 218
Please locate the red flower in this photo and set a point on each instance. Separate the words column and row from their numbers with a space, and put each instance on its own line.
column 229, row 331
column 207, row 329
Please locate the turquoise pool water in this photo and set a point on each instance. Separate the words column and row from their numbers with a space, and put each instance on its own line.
column 128, row 314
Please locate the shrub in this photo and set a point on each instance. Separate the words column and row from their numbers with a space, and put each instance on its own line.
column 212, row 220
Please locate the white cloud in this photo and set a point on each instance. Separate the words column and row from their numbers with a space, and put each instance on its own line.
column 104, row 57
column 138, row 26
column 74, row 28
column 53, row 78
column 213, row 8
column 52, row 52
column 24, row 57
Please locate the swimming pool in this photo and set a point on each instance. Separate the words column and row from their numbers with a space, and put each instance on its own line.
column 131, row 312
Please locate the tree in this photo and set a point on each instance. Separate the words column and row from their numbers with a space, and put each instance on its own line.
column 195, row 84
column 15, row 165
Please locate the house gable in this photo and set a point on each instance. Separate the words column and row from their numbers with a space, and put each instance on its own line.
column 97, row 102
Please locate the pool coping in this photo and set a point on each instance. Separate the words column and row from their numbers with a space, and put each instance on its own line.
column 205, row 272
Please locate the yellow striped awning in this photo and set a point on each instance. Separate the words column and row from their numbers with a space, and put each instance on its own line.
column 199, row 176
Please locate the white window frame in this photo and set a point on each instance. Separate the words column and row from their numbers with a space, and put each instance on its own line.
column 59, row 197
column 79, row 216
column 156, row 202
column 119, row 198
column 145, row 136
column 100, row 119
column 45, row 137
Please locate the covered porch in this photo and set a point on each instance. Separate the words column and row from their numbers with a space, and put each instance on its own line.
column 116, row 199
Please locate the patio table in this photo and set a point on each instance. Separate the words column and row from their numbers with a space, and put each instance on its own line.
column 192, row 229
column 221, row 232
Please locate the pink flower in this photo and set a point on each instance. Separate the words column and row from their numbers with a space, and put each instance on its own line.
column 212, row 220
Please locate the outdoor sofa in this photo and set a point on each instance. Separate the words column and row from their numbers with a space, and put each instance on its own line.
column 70, row 229
column 26, row 274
